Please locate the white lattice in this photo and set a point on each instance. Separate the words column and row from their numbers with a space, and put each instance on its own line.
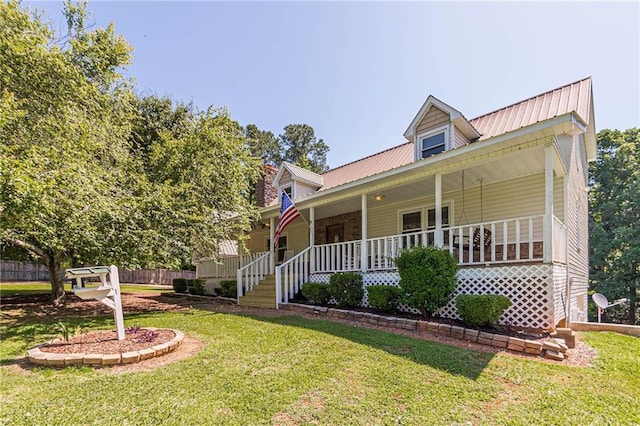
column 559, row 291
column 529, row 287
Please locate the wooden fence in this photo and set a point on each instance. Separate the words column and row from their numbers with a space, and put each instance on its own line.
column 25, row 271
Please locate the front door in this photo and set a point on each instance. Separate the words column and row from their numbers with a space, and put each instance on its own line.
column 335, row 233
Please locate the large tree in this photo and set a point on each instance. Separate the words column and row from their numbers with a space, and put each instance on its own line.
column 615, row 217
column 73, row 181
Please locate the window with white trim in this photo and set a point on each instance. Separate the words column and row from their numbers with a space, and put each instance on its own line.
column 432, row 142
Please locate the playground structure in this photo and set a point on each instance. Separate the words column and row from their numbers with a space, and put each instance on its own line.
column 108, row 292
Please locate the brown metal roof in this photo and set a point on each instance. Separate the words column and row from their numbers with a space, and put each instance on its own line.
column 572, row 97
column 369, row 166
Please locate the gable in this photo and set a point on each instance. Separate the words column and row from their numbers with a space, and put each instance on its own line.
column 434, row 118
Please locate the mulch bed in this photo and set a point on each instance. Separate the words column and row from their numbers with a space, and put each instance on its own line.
column 106, row 342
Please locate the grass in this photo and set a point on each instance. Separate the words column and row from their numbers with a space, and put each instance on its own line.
column 28, row 288
column 290, row 371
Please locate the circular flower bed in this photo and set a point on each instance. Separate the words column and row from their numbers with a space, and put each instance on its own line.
column 104, row 348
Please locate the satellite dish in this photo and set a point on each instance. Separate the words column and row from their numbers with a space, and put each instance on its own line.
column 600, row 300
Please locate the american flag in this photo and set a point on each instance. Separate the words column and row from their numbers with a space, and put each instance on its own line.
column 288, row 213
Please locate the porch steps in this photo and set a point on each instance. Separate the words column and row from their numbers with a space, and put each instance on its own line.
column 262, row 296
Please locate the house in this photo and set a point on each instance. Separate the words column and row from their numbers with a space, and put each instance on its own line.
column 505, row 193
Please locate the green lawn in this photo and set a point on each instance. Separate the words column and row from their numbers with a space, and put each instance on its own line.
column 20, row 288
column 290, row 371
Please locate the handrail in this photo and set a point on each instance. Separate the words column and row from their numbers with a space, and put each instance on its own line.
column 337, row 257
column 291, row 274
column 250, row 275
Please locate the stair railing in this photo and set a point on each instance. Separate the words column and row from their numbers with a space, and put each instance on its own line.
column 250, row 275
column 291, row 274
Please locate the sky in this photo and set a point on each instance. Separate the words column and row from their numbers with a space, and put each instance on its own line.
column 358, row 72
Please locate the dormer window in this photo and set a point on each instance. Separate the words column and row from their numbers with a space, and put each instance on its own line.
column 288, row 190
column 433, row 142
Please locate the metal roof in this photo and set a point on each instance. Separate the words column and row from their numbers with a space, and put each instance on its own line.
column 304, row 174
column 571, row 97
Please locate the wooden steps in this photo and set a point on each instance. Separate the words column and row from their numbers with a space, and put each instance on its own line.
column 262, row 296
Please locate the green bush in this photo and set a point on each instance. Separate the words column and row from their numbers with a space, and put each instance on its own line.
column 180, row 285
column 384, row 297
column 316, row 293
column 481, row 309
column 197, row 287
column 229, row 288
column 427, row 277
column 346, row 289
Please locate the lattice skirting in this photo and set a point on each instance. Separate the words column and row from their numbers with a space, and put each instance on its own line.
column 529, row 287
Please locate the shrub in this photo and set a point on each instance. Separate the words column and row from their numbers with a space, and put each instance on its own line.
column 346, row 288
column 180, row 285
column 384, row 297
column 229, row 288
column 197, row 287
column 481, row 309
column 316, row 293
column 427, row 277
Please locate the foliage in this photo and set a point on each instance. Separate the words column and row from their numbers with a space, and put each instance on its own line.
column 63, row 330
column 481, row 309
column 264, row 144
column 197, row 287
column 427, row 277
column 614, row 205
column 346, row 288
column 316, row 293
column 229, row 288
column 346, row 374
column 86, row 174
column 384, row 297
column 180, row 285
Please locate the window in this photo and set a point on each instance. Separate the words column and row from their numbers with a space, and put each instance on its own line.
column 411, row 222
column 432, row 145
column 282, row 248
column 289, row 191
column 431, row 218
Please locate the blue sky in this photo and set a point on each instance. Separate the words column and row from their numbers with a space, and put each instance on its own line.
column 358, row 72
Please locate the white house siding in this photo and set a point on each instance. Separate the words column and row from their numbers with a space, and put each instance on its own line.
column 300, row 189
column 285, row 178
column 434, row 118
column 577, row 232
column 459, row 140
column 564, row 146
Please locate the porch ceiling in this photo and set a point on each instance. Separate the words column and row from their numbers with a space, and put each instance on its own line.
column 504, row 167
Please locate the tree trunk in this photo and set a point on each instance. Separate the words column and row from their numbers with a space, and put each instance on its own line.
column 52, row 263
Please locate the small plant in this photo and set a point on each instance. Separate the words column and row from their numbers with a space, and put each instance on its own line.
column 316, row 293
column 384, row 297
column 132, row 330
column 146, row 336
column 427, row 277
column 180, row 285
column 197, row 287
column 63, row 330
column 229, row 288
column 481, row 309
column 346, row 289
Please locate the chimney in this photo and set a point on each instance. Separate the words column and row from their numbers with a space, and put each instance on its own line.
column 265, row 193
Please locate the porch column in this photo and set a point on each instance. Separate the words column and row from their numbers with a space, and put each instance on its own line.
column 438, row 237
column 312, row 238
column 272, row 230
column 240, row 253
column 547, row 231
column 363, row 243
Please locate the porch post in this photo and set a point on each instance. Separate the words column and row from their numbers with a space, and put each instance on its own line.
column 438, row 237
column 312, row 238
column 547, row 233
column 363, row 244
column 272, row 230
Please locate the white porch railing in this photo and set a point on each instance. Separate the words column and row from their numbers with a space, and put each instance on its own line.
column 226, row 267
column 291, row 274
column 337, row 257
column 250, row 275
column 559, row 237
column 382, row 251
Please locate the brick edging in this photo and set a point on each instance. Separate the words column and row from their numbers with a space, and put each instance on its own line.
column 39, row 357
column 550, row 349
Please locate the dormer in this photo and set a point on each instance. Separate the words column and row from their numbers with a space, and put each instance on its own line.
column 437, row 127
column 296, row 181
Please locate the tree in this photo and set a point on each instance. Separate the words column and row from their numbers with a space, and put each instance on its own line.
column 73, row 185
column 264, row 145
column 615, row 217
column 301, row 147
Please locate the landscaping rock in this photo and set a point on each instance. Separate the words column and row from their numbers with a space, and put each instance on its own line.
column 471, row 335
column 444, row 329
column 556, row 356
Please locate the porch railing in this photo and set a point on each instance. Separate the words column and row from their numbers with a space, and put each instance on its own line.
column 382, row 251
column 250, row 275
column 291, row 274
column 226, row 267
column 337, row 257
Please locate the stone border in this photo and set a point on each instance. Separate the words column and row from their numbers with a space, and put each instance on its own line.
column 39, row 357
column 553, row 348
